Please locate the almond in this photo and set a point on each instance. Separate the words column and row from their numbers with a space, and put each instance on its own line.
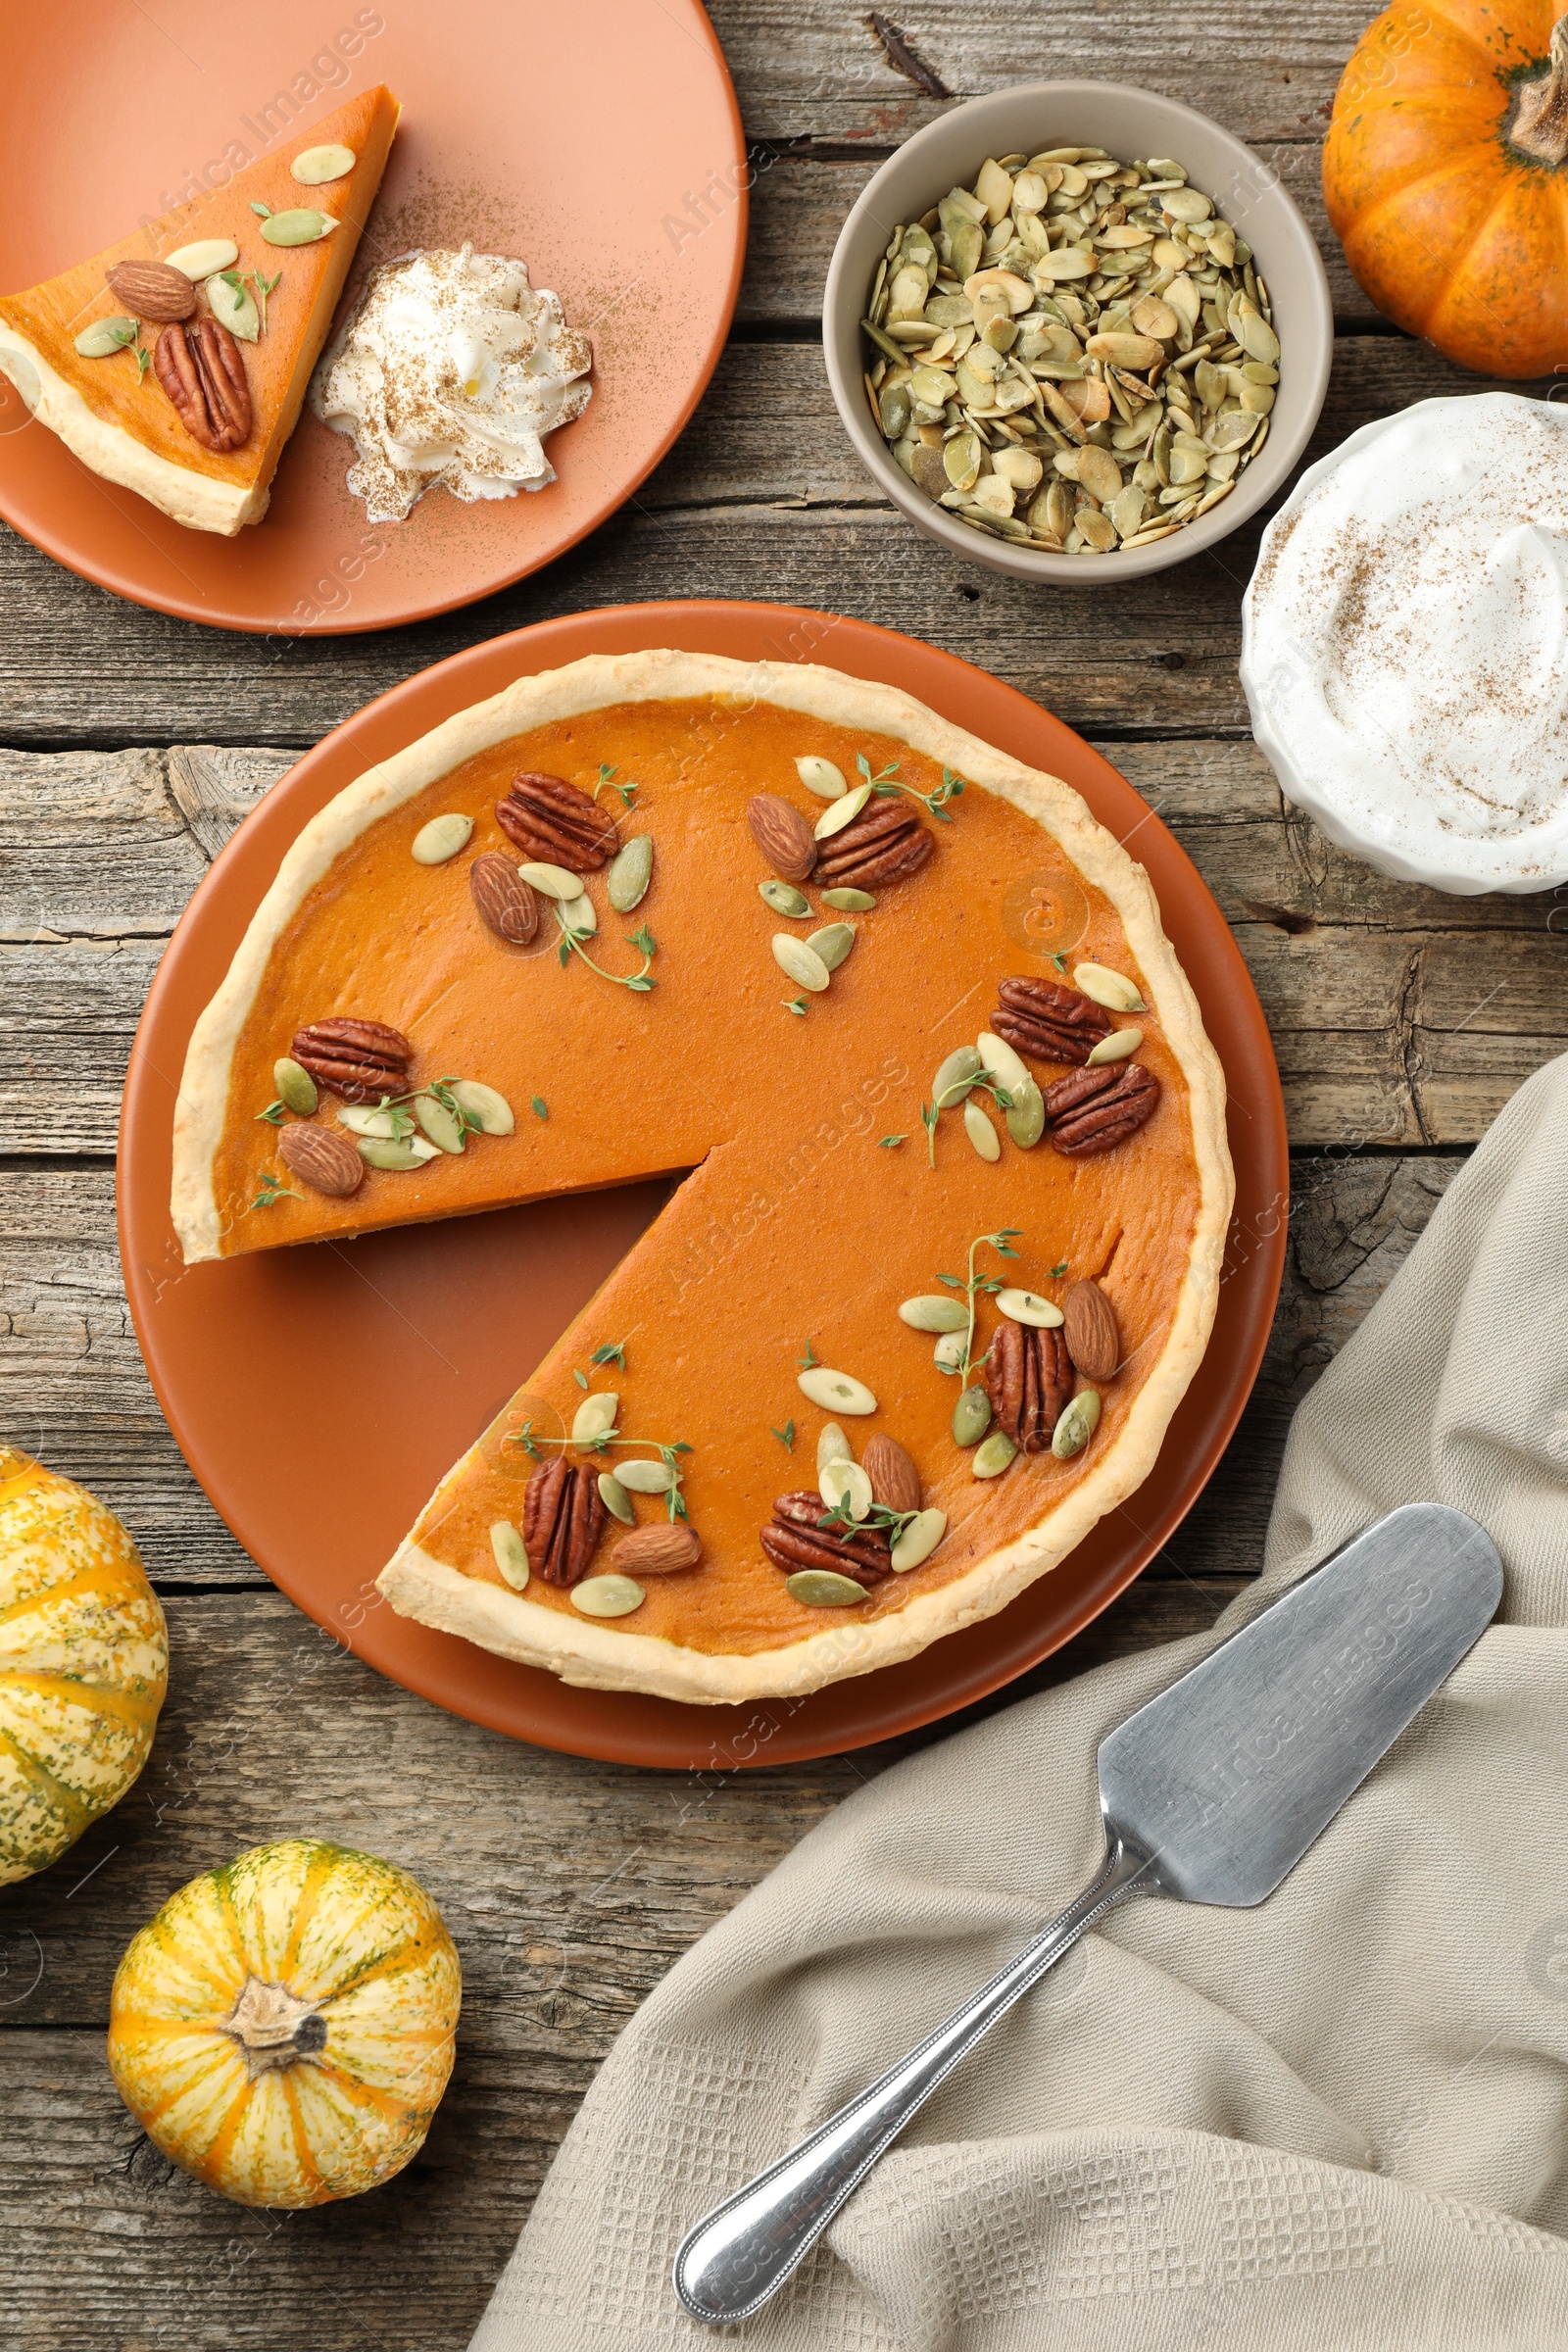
column 783, row 836
column 153, row 290
column 1091, row 1332
column 321, row 1159
column 660, row 1548
column 895, row 1479
column 506, row 903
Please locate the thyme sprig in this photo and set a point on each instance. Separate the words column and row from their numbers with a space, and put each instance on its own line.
column 600, row 1442
column 607, row 783
column 273, row 1191
column 841, row 1520
column 641, row 939
column 978, row 1285
column 264, row 286
column 889, row 784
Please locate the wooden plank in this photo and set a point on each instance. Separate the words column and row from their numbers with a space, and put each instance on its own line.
column 761, row 498
column 73, row 1391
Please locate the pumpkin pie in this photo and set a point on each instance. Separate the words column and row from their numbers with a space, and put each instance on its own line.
column 949, row 1252
column 192, row 407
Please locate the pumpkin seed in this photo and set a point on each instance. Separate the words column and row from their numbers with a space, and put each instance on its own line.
column 1003, row 1063
column 510, row 1553
column 918, row 1541
column 845, row 1483
column 233, row 306
column 300, row 227
column 843, row 813
column 832, row 1447
column 833, row 943
column 971, row 1416
column 1026, row 1116
column 978, row 1128
column 608, row 1596
column 1112, row 989
column 1077, row 1424
column 444, row 1128
column 1116, row 1048
column 319, row 164
column 105, row 336
column 296, row 1088
column 820, row 1589
column 579, row 915
column 836, row 1391
column 553, row 880
column 850, row 902
column 631, row 869
column 934, row 1310
column 595, row 1416
column 785, row 899
column 205, row 258
column 647, row 1478
column 1146, row 283
column 492, row 1110
column 365, row 1119
column 442, row 838
column 950, row 1350
column 798, row 962
column 819, row 776
column 955, row 1076
column 1026, row 1306
column 993, row 1457
column 616, row 1499
column 378, row 1153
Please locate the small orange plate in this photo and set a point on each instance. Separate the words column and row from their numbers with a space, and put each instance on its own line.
column 599, row 141
column 318, row 1394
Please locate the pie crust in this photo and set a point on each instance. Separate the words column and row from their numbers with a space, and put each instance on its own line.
column 724, row 1632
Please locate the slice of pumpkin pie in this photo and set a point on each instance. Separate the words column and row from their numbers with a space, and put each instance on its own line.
column 175, row 362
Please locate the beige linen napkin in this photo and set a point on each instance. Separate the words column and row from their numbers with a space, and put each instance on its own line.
column 1338, row 2119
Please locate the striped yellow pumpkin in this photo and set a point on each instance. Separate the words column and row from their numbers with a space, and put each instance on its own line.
column 83, row 1663
column 283, row 2028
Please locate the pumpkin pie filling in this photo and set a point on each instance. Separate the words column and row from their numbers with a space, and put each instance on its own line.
column 811, row 1209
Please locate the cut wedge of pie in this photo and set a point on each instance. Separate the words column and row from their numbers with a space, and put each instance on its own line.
column 192, row 410
column 951, row 1252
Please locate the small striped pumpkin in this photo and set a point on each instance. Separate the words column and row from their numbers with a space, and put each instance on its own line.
column 283, row 2028
column 83, row 1663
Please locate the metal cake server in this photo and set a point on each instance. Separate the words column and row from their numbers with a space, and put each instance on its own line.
column 1210, row 1793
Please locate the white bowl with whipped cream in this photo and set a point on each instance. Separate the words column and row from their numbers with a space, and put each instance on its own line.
column 1404, row 645
column 451, row 368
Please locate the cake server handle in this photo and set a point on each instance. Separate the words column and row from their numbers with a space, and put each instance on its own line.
column 743, row 2251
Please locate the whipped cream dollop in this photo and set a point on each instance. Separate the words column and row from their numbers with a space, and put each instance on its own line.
column 1405, row 655
column 451, row 369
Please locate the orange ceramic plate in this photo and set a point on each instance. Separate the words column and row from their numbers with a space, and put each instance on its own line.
column 318, row 1394
column 599, row 141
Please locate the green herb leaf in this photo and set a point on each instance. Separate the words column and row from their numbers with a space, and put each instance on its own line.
column 794, row 1005
column 1058, row 1271
column 264, row 210
column 581, row 1377
column 273, row 1190
column 785, row 1436
column 272, row 1114
column 808, row 1360
column 606, row 777
column 613, row 1352
column 541, row 1108
column 891, row 1143
column 1059, row 961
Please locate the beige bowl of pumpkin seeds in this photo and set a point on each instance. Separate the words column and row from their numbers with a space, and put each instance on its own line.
column 1077, row 331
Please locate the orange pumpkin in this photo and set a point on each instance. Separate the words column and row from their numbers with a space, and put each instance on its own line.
column 1445, row 175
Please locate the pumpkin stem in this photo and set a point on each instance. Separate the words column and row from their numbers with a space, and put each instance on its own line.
column 1541, row 117
column 273, row 2027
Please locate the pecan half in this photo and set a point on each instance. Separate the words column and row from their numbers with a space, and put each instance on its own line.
column 795, row 1540
column 1094, row 1110
column 200, row 366
column 1029, row 1380
column 558, row 823
column 886, row 843
column 564, row 1516
column 508, row 905
column 359, row 1061
column 1053, row 1024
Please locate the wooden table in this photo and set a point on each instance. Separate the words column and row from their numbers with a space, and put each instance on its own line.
column 1402, row 1021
